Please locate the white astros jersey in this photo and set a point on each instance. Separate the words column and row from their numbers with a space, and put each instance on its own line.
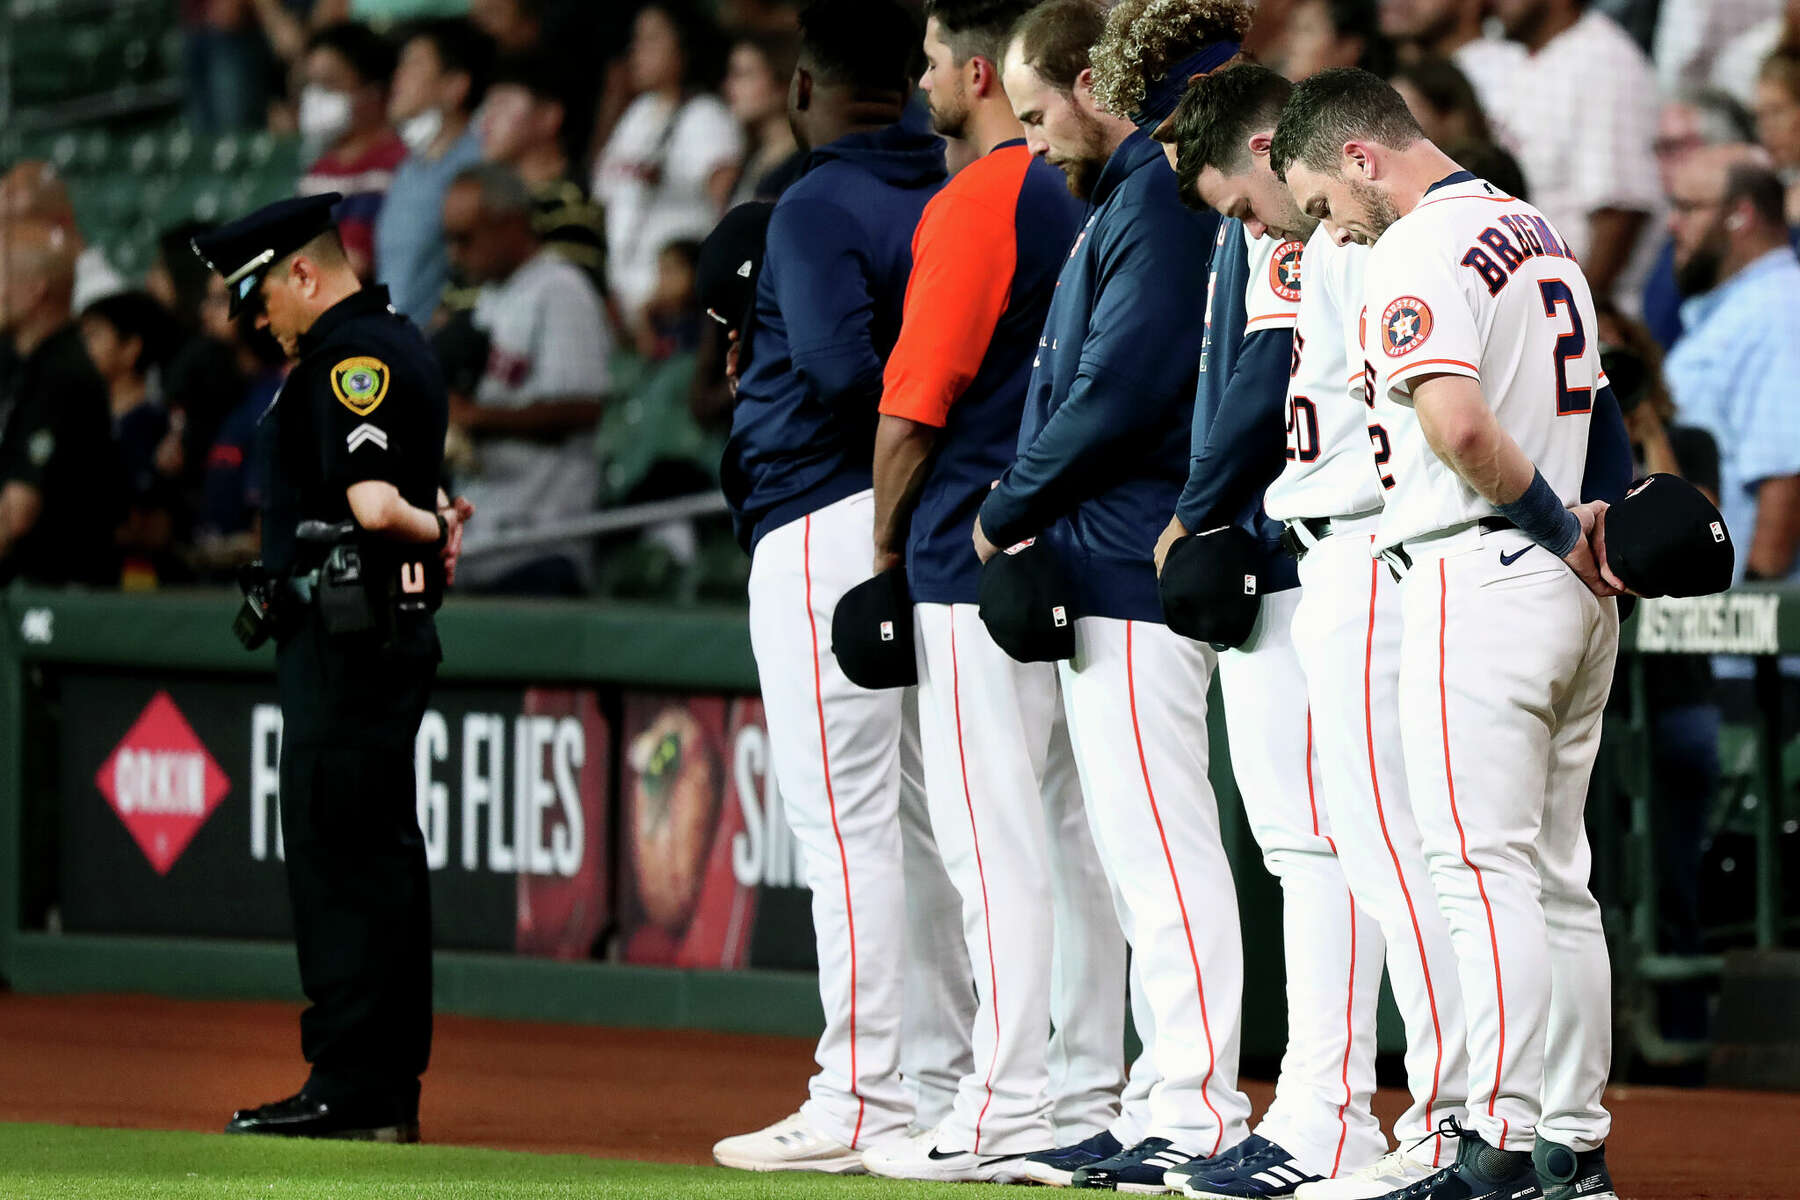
column 1272, row 289
column 1474, row 282
column 1329, row 471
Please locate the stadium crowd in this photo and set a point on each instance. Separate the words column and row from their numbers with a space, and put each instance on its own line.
column 531, row 180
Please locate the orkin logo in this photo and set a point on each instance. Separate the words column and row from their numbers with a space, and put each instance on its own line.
column 162, row 782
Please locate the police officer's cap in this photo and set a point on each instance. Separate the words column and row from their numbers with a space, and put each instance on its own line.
column 1665, row 538
column 243, row 250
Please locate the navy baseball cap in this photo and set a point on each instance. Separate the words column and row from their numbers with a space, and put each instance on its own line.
column 1665, row 538
column 730, row 261
column 872, row 632
column 247, row 247
column 1026, row 603
column 1211, row 586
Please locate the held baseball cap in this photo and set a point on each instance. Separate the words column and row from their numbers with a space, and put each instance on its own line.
column 1025, row 603
column 872, row 632
column 730, row 260
column 246, row 248
column 1211, row 587
column 1665, row 538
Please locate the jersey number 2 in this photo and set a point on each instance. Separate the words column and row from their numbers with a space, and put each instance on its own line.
column 1571, row 345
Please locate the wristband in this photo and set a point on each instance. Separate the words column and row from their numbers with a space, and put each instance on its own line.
column 443, row 538
column 1540, row 516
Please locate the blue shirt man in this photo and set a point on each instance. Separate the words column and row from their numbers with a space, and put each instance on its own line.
column 410, row 256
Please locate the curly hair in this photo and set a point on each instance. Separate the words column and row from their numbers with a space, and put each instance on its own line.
column 1144, row 38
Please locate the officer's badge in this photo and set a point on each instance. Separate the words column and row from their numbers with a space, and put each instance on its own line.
column 360, row 384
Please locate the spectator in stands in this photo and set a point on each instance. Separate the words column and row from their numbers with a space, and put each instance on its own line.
column 227, row 529
column 1778, row 122
column 129, row 337
column 1692, row 120
column 524, row 126
column 35, row 190
column 1739, row 64
column 343, row 120
column 517, row 26
column 222, row 59
column 1584, row 103
column 671, row 163
column 1452, row 29
column 756, row 87
column 1332, row 33
column 1442, row 100
column 532, row 418
column 759, row 16
column 670, row 321
column 1491, row 162
column 1691, row 35
column 59, row 475
column 177, row 276
column 1733, row 372
column 441, row 79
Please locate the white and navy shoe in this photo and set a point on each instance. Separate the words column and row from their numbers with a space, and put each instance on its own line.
column 790, row 1144
column 1480, row 1172
column 1056, row 1168
column 1567, row 1174
column 1139, row 1170
column 919, row 1158
column 1259, row 1170
column 1387, row 1174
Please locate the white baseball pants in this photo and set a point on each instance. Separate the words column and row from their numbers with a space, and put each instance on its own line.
column 1347, row 633
column 1037, row 919
column 1136, row 698
column 1504, row 672
column 837, row 757
column 1331, row 945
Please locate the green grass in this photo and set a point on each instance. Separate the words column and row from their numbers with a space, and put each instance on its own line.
column 53, row 1162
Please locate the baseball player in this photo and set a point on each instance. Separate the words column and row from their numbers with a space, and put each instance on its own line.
column 1009, row 827
column 1320, row 1123
column 796, row 471
column 1483, row 366
column 1102, row 457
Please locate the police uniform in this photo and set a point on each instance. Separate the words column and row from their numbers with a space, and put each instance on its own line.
column 365, row 401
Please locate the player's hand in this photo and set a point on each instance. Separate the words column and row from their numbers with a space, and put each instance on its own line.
column 731, row 362
column 456, row 514
column 1597, row 540
column 1174, row 533
column 984, row 549
column 1582, row 559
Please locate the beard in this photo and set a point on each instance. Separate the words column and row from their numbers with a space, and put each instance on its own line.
column 1083, row 165
column 952, row 120
column 1380, row 211
column 1698, row 273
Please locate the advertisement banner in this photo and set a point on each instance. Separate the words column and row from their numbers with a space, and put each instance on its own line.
column 169, row 817
column 708, row 870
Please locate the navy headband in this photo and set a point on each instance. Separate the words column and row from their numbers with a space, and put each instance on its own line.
column 1160, row 98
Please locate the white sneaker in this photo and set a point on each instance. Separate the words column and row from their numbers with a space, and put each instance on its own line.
column 790, row 1144
column 919, row 1158
column 1389, row 1173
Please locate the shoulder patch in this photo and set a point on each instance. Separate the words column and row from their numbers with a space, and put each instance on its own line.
column 1284, row 270
column 360, row 384
column 1405, row 324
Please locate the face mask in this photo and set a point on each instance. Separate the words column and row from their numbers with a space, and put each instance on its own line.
column 418, row 132
column 324, row 115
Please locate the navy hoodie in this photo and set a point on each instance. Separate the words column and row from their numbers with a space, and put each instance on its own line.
column 1103, row 445
column 827, row 313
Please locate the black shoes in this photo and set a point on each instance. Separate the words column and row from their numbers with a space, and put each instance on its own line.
column 304, row 1116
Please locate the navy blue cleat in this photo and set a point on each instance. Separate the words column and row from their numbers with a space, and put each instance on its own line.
column 1259, row 1170
column 1057, row 1167
column 1480, row 1172
column 1139, row 1170
column 1567, row 1174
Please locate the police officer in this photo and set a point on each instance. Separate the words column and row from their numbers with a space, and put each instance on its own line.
column 358, row 543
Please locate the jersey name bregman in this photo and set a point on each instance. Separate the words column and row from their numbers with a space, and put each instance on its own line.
column 1496, row 257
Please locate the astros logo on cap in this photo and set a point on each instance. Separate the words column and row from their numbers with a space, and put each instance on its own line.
column 360, row 384
column 1284, row 270
column 1405, row 325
